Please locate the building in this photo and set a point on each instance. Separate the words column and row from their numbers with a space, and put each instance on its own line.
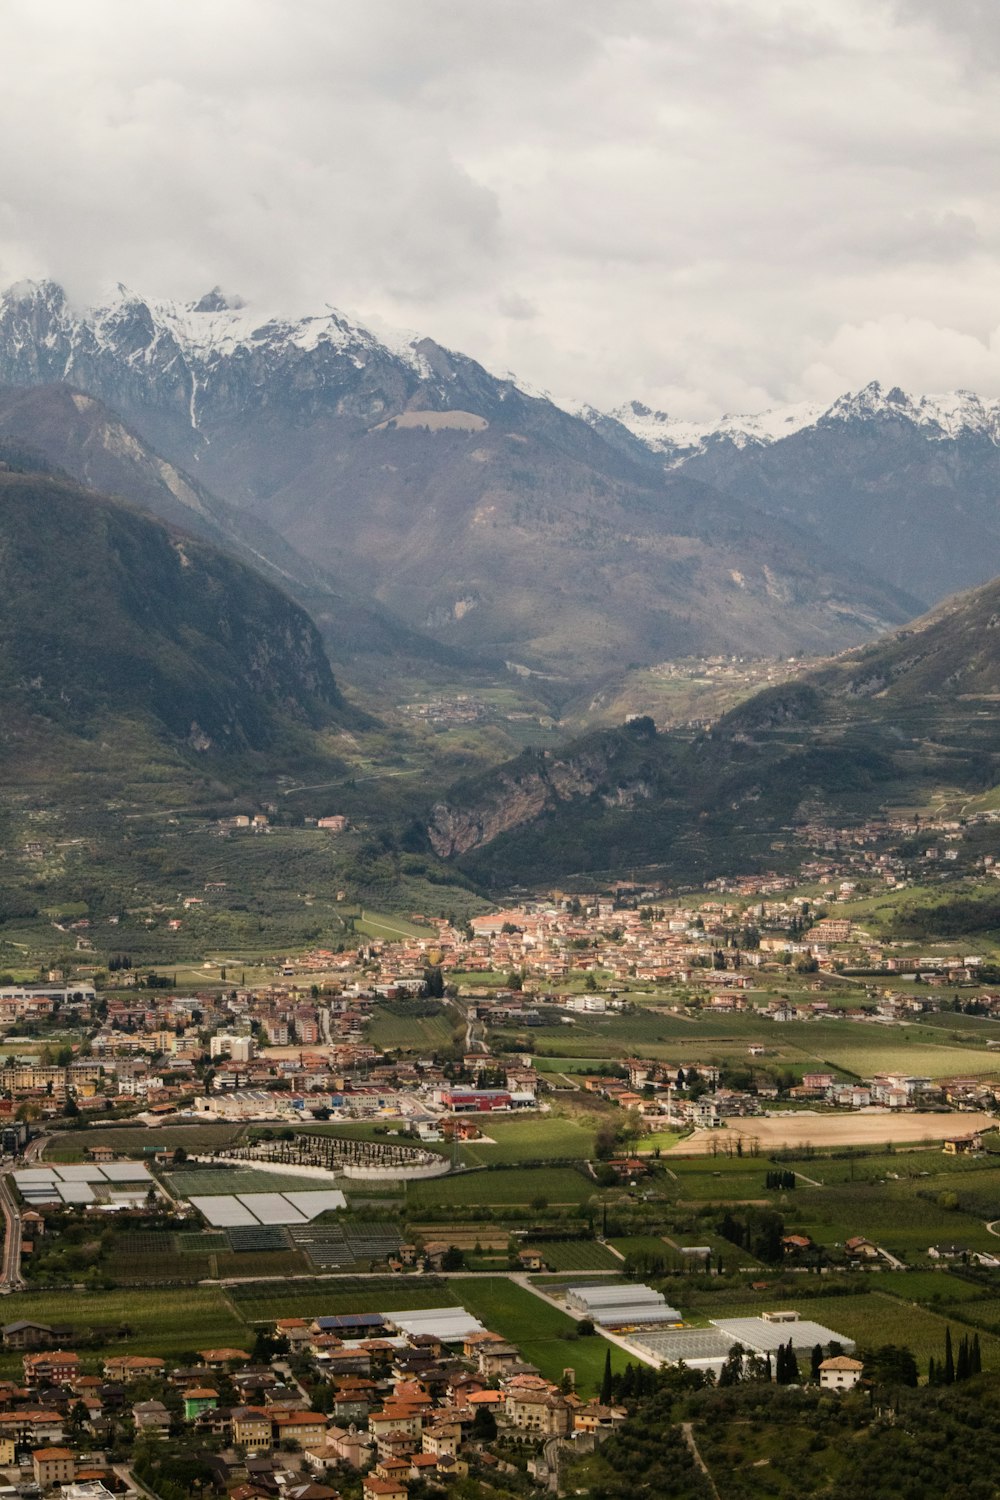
column 151, row 1416
column 53, row 1466
column 840, row 1373
column 199, row 1399
column 54, row 1368
column 27, row 1335
column 538, row 1412
column 631, row 1305
column 252, row 1428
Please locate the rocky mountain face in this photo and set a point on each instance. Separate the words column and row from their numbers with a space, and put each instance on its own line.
column 907, row 487
column 881, row 723
column 106, row 612
column 488, row 518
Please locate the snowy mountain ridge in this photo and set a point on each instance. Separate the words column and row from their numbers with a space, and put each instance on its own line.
column 45, row 338
column 940, row 417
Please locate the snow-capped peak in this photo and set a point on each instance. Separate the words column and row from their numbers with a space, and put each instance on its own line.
column 203, row 332
column 679, row 439
column 942, row 416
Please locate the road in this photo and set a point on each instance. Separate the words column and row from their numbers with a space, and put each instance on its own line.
column 11, row 1280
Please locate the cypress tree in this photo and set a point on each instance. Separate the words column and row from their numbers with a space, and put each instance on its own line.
column 817, row 1360
column 794, row 1377
column 606, row 1381
column 949, row 1359
column 962, row 1371
column 976, row 1357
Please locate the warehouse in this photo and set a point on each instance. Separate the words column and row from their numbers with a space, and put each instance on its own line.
column 763, row 1335
column 708, row 1348
column 629, row 1306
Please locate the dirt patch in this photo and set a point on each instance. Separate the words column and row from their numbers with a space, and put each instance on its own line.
column 804, row 1129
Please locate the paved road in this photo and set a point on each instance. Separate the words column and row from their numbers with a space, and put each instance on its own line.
column 11, row 1279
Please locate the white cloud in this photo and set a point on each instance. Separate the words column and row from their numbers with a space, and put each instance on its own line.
column 707, row 205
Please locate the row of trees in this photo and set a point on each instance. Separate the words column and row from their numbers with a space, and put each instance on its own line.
column 949, row 1370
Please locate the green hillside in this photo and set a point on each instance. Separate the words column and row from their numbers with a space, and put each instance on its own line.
column 894, row 723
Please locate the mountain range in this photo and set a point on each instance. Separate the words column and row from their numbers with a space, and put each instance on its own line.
column 487, row 519
column 906, row 486
column 266, row 479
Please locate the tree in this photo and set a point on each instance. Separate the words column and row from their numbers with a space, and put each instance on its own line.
column 890, row 1365
column 817, row 1360
column 732, row 1370
column 606, row 1380
column 484, row 1426
column 949, row 1359
column 179, row 1157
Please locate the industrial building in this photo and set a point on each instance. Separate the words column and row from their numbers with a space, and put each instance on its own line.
column 631, row 1306
column 708, row 1348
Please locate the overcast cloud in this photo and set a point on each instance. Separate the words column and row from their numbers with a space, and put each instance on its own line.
column 706, row 204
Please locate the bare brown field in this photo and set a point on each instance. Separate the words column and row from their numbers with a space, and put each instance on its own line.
column 804, row 1129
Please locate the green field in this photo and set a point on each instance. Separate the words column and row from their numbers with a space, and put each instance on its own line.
column 209, row 1182
column 164, row 1322
column 576, row 1255
column 680, row 1038
column 391, row 1030
column 138, row 1140
column 557, row 1185
column 642, row 1244
column 546, row 1337
column 387, row 925
column 515, row 1139
column 326, row 1299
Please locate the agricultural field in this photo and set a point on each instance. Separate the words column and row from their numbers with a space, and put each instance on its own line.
column 546, row 1336
column 393, row 1029
column 682, row 1036
column 262, row 1303
column 893, row 1215
column 803, row 1128
column 933, row 1287
column 556, row 1185
column 388, row 925
column 164, row 1322
column 140, row 1140
column 513, row 1139
column 575, row 1255
column 641, row 1244
column 983, row 1312
column 208, row 1182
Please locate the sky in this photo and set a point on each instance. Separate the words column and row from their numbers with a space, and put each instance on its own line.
column 705, row 205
